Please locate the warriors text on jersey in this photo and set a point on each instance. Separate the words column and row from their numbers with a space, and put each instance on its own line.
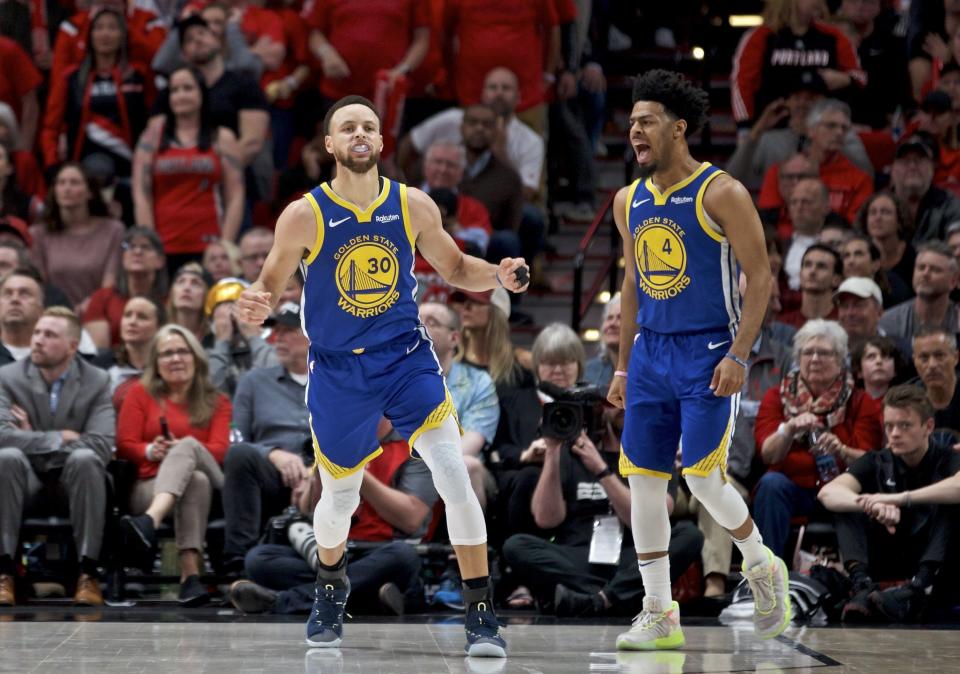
column 359, row 288
column 687, row 276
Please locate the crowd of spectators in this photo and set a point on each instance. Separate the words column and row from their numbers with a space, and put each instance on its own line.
column 146, row 150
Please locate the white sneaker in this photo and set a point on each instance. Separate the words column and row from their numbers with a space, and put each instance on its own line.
column 770, row 584
column 654, row 628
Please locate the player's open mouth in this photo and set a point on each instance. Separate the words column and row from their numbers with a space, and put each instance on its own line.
column 643, row 152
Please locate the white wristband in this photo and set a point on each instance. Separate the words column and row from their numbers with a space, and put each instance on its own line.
column 782, row 430
column 149, row 452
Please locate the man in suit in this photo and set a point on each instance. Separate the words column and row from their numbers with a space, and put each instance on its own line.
column 57, row 427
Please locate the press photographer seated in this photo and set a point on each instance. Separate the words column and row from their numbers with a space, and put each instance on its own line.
column 397, row 499
column 588, row 567
column 895, row 514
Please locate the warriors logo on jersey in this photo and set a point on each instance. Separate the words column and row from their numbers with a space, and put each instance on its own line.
column 661, row 258
column 366, row 275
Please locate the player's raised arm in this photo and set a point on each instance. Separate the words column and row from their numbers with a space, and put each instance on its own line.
column 456, row 268
column 628, row 299
column 729, row 204
column 296, row 236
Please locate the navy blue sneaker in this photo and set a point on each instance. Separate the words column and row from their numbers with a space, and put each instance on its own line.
column 325, row 626
column 483, row 633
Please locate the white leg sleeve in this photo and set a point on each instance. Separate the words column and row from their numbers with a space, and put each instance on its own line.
column 720, row 499
column 338, row 501
column 648, row 513
column 440, row 449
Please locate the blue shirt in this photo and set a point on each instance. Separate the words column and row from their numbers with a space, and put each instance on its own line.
column 687, row 276
column 475, row 399
column 359, row 288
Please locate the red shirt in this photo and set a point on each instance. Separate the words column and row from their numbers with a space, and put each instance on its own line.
column 29, row 176
column 145, row 34
column 18, row 75
column 139, row 423
column 472, row 213
column 370, row 35
column 296, row 38
column 849, row 187
column 185, row 201
column 862, row 428
column 509, row 33
column 797, row 319
column 106, row 304
column 432, row 72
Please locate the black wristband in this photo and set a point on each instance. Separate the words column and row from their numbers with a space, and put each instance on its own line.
column 603, row 473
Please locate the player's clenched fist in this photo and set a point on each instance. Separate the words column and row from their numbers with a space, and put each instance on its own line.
column 253, row 306
column 617, row 393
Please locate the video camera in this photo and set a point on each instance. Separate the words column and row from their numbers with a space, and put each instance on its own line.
column 574, row 409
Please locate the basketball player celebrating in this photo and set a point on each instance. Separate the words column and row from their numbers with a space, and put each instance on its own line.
column 354, row 240
column 685, row 226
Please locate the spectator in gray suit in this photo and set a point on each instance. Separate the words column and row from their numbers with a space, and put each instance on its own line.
column 57, row 428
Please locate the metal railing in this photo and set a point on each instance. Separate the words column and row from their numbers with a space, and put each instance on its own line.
column 608, row 271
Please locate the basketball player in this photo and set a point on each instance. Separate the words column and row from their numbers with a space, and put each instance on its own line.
column 354, row 240
column 685, row 226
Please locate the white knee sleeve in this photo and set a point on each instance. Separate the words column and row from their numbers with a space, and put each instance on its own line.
column 338, row 501
column 720, row 499
column 648, row 513
column 440, row 449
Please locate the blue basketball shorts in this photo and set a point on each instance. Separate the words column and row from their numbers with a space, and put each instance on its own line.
column 669, row 405
column 348, row 393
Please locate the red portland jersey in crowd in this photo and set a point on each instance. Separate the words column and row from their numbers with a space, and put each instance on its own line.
column 186, row 207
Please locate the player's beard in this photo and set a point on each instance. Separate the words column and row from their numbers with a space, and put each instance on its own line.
column 359, row 166
column 644, row 171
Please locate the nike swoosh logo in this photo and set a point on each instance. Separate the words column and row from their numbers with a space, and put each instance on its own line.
column 334, row 223
column 712, row 346
column 413, row 348
column 640, row 203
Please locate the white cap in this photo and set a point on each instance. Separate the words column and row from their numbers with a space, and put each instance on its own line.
column 860, row 286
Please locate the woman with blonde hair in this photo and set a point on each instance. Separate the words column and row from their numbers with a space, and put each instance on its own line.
column 175, row 426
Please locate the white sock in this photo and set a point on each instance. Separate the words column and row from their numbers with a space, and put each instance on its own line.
column 752, row 548
column 656, row 580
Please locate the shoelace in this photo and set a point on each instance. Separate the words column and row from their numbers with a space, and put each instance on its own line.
column 330, row 611
column 762, row 587
column 647, row 619
column 483, row 619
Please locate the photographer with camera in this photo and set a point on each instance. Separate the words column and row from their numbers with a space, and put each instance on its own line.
column 397, row 501
column 271, row 445
column 809, row 429
column 588, row 566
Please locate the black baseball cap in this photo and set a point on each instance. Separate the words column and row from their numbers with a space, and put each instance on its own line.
column 287, row 314
column 193, row 20
column 918, row 143
column 936, row 101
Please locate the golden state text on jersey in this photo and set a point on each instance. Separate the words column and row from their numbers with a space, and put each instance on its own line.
column 687, row 276
column 359, row 288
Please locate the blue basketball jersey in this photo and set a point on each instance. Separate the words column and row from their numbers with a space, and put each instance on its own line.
column 359, row 288
column 687, row 276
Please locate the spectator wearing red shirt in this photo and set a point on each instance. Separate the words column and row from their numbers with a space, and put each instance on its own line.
column 937, row 118
column 821, row 272
column 19, row 81
column 809, row 429
column 520, row 35
column 849, row 186
column 281, row 85
column 187, row 179
column 26, row 170
column 142, row 272
column 102, row 103
column 791, row 39
column 443, row 167
column 146, row 32
column 353, row 39
column 175, row 427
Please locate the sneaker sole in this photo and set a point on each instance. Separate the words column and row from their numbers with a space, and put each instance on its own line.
column 486, row 650
column 324, row 644
column 788, row 613
column 671, row 642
